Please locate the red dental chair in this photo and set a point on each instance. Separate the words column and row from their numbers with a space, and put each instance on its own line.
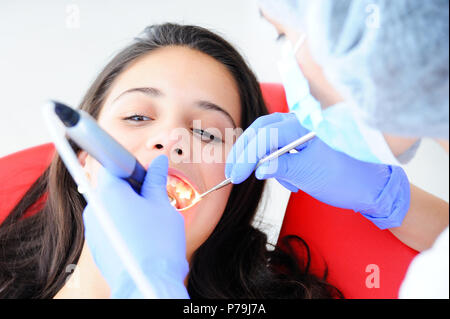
column 362, row 261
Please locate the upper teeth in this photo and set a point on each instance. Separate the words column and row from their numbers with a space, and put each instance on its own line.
column 178, row 190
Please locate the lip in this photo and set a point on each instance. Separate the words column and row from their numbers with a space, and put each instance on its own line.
column 181, row 176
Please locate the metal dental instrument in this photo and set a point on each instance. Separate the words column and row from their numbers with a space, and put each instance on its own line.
column 271, row 156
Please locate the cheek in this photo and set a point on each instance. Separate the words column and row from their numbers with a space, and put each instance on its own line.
column 201, row 220
column 130, row 139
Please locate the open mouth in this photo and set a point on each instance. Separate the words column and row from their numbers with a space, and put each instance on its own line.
column 181, row 194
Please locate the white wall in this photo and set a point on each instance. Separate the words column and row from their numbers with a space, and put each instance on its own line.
column 54, row 49
column 47, row 52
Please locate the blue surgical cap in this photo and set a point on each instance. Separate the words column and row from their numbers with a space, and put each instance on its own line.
column 390, row 57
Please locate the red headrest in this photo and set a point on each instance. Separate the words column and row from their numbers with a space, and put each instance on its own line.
column 18, row 172
column 274, row 97
column 362, row 260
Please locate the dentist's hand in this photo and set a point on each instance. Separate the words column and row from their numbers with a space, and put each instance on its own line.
column 380, row 192
column 151, row 228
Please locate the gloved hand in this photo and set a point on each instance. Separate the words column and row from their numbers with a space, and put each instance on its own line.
column 151, row 228
column 380, row 192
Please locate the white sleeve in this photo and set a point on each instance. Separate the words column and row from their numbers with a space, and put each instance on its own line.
column 427, row 276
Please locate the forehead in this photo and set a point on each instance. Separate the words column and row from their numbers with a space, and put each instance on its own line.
column 184, row 75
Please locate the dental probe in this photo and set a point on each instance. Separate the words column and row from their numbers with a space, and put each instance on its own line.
column 305, row 138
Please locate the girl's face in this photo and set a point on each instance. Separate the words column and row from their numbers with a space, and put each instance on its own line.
column 178, row 102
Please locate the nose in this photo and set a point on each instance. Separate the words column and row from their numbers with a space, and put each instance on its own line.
column 167, row 143
column 177, row 150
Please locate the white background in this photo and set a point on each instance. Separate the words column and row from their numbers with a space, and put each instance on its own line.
column 55, row 48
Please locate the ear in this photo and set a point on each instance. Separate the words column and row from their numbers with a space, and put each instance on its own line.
column 82, row 155
column 83, row 159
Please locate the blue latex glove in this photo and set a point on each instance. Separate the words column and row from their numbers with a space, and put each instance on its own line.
column 380, row 192
column 151, row 228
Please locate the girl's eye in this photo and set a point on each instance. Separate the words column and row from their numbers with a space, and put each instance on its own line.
column 137, row 118
column 206, row 136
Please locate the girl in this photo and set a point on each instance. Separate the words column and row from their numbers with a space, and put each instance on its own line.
column 169, row 77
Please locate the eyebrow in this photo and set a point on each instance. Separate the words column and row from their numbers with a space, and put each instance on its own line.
column 146, row 90
column 154, row 92
column 206, row 105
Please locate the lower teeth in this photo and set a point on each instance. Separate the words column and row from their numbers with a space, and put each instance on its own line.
column 173, row 201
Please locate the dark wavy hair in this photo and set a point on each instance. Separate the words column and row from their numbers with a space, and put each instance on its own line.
column 234, row 262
